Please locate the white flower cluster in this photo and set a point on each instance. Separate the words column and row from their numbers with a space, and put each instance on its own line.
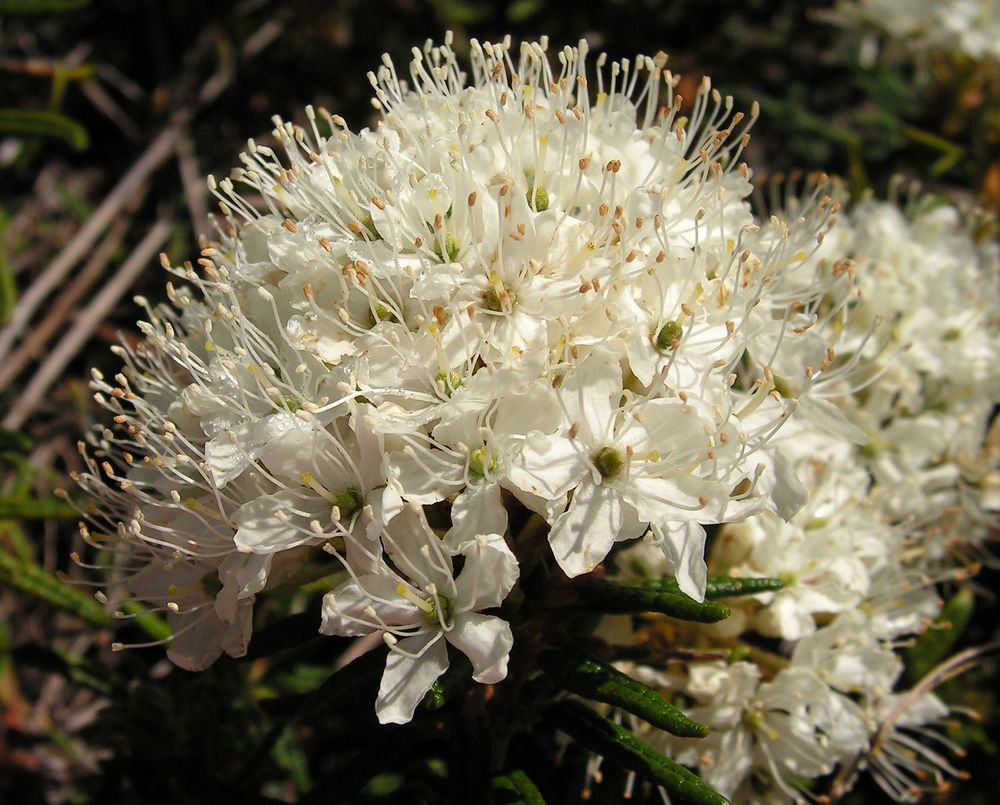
column 908, row 503
column 967, row 27
column 511, row 302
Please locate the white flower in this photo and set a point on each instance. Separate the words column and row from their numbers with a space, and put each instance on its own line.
column 969, row 27
column 501, row 288
column 422, row 607
column 791, row 729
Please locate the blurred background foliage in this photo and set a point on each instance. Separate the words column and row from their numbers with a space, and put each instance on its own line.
column 111, row 112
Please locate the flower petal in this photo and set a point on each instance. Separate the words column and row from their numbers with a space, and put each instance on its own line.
column 489, row 574
column 582, row 535
column 591, row 395
column 478, row 509
column 344, row 609
column 272, row 523
column 416, row 550
column 486, row 640
column 413, row 665
column 683, row 545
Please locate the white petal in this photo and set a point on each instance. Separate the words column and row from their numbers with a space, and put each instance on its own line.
column 548, row 466
column 591, row 396
column 243, row 576
column 489, row 574
column 780, row 483
column 344, row 608
column 236, row 638
column 413, row 665
column 486, row 640
column 198, row 641
column 409, row 475
column 678, row 497
column 261, row 530
column 826, row 417
column 229, row 454
column 582, row 536
column 477, row 510
column 683, row 545
column 405, row 539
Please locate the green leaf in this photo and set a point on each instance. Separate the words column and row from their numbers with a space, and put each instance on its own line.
column 39, row 6
column 8, row 294
column 353, row 686
column 521, row 10
column 80, row 671
column 151, row 624
column 36, row 509
column 452, row 683
column 397, row 747
column 594, row 680
column 619, row 599
column 39, row 123
column 15, row 441
column 34, row 580
column 287, row 633
column 288, row 753
column 618, row 745
column 721, row 586
column 937, row 642
column 515, row 788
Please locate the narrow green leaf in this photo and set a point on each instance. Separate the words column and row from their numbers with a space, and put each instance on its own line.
column 34, row 580
column 286, row 633
column 594, row 680
column 728, row 586
column 937, row 642
column 151, row 624
column 618, row 745
column 289, row 755
column 8, row 294
column 36, row 509
column 14, row 440
column 39, row 6
column 41, row 123
column 92, row 674
column 619, row 599
column 521, row 10
column 353, row 686
column 5, row 663
column 516, row 788
column 452, row 683
column 397, row 748
column 721, row 586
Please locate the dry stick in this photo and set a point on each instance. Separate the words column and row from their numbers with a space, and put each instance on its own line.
column 77, row 248
column 359, row 646
column 948, row 669
column 39, row 334
column 89, row 319
column 154, row 156
column 108, row 106
column 194, row 187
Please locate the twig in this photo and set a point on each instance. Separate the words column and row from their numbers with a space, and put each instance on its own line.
column 89, row 319
column 155, row 154
column 108, row 106
column 951, row 667
column 194, row 187
column 39, row 335
column 358, row 647
column 81, row 243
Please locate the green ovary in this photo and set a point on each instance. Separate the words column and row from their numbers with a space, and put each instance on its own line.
column 670, row 333
column 349, row 502
column 480, row 462
column 541, row 200
column 609, row 462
